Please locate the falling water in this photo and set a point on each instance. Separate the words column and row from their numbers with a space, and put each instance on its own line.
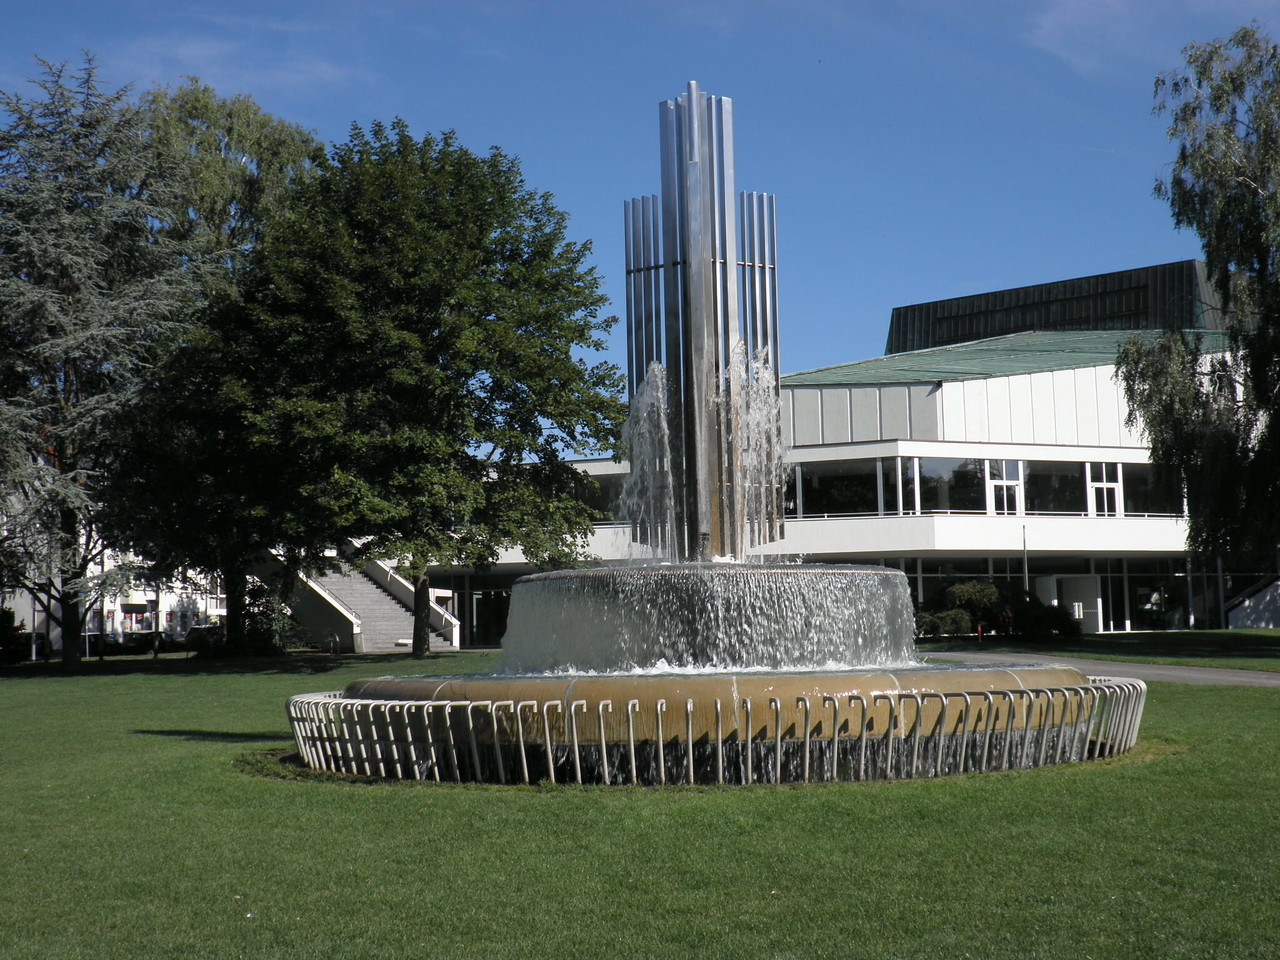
column 717, row 616
column 648, row 497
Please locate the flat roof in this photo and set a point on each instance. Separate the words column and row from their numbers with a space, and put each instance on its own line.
column 1010, row 355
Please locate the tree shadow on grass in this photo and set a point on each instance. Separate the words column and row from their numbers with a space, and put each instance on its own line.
column 219, row 736
column 301, row 664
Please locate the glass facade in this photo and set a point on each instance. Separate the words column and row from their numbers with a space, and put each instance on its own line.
column 1145, row 493
column 840, row 488
column 1054, row 486
column 890, row 486
column 951, row 486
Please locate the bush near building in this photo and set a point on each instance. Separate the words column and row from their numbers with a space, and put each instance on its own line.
column 980, row 606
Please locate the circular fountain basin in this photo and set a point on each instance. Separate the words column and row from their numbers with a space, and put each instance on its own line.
column 715, row 673
column 704, row 705
column 714, row 615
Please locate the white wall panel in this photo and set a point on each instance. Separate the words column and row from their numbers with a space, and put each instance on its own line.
column 788, row 414
column 952, row 411
column 835, row 415
column 1086, row 388
column 1064, row 406
column 1110, row 408
column 895, row 417
column 998, row 427
column 975, row 411
column 924, row 411
column 1042, row 408
column 865, row 402
column 807, row 416
column 1021, row 420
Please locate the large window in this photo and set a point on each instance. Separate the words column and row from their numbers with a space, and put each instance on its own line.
column 839, row 488
column 889, row 478
column 1054, row 486
column 951, row 486
column 1145, row 493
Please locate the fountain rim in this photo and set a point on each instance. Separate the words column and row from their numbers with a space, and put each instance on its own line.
column 714, row 568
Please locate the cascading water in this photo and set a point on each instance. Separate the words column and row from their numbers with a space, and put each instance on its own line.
column 647, row 498
column 703, row 616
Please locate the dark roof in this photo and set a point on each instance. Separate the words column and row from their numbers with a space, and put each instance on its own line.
column 1018, row 353
column 1167, row 296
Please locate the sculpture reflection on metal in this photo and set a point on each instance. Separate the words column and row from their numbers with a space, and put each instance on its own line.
column 702, row 347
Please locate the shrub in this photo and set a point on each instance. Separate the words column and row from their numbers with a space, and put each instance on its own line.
column 953, row 622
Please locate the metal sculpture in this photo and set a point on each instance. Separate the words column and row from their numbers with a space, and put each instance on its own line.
column 702, row 304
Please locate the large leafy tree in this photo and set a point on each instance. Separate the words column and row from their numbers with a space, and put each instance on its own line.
column 422, row 319
column 90, row 289
column 195, row 487
column 1208, row 410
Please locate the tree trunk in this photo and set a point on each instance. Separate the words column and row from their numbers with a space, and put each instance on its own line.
column 72, row 626
column 235, row 584
column 68, row 600
column 421, row 616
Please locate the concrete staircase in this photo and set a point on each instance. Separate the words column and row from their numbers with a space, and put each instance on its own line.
column 386, row 624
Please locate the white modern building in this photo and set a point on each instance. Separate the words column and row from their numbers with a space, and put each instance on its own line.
column 992, row 442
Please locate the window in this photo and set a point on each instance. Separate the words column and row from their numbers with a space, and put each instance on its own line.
column 951, row 486
column 1104, row 489
column 1054, row 486
column 1004, row 486
column 889, row 478
column 839, row 488
column 1146, row 493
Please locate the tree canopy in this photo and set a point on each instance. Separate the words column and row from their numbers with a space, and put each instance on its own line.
column 424, row 317
column 90, row 290
column 1209, row 414
column 218, row 341
column 193, row 488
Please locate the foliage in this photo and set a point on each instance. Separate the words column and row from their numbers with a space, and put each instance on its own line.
column 90, row 289
column 13, row 645
column 1209, row 415
column 944, row 623
column 422, row 316
column 192, row 490
column 236, row 166
column 965, row 606
column 979, row 598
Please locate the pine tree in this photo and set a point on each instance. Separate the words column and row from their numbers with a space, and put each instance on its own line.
column 90, row 289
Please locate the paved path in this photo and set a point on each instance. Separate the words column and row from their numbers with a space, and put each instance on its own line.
column 1209, row 676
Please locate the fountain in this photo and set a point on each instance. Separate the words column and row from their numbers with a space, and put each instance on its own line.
column 688, row 668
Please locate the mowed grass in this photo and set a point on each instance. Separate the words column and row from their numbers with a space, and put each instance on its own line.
column 133, row 829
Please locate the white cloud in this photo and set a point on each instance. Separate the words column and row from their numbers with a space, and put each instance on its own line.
column 1092, row 35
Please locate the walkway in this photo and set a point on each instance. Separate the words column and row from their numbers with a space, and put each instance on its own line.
column 1206, row 676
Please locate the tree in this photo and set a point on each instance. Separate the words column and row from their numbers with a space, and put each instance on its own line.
column 90, row 289
column 422, row 316
column 1209, row 414
column 195, row 487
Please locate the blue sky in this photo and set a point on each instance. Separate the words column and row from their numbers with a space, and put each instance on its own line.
column 918, row 149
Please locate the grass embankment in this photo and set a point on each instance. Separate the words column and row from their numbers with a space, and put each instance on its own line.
column 132, row 830
column 1228, row 649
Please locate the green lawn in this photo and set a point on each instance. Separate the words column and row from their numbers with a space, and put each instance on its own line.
column 133, row 830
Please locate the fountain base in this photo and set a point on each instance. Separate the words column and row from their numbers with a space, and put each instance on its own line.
column 746, row 727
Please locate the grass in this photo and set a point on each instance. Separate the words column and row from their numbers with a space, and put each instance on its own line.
column 1227, row 649
column 137, row 825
